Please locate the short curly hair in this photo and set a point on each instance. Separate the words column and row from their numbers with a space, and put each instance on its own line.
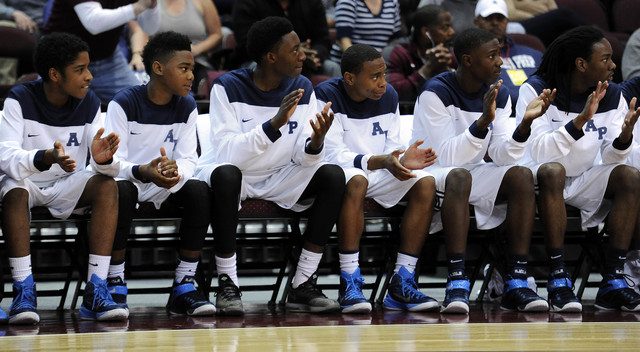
column 355, row 56
column 470, row 39
column 161, row 46
column 57, row 50
column 266, row 35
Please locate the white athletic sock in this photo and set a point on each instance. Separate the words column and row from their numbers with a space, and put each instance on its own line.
column 20, row 267
column 228, row 266
column 116, row 270
column 349, row 262
column 307, row 265
column 185, row 268
column 408, row 261
column 99, row 265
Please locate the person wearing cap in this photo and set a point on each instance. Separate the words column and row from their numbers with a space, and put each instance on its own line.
column 426, row 55
column 518, row 61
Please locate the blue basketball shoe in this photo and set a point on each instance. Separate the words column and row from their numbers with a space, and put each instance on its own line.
column 456, row 299
column 185, row 299
column 3, row 316
column 118, row 290
column 97, row 303
column 561, row 296
column 350, row 294
column 615, row 294
column 24, row 310
column 518, row 296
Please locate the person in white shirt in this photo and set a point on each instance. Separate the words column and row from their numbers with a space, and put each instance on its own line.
column 463, row 116
column 589, row 120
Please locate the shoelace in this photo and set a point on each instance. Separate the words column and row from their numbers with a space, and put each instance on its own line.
column 410, row 288
column 629, row 280
column 353, row 288
column 564, row 293
column 193, row 297
column 101, row 297
column 309, row 288
column 25, row 298
column 228, row 292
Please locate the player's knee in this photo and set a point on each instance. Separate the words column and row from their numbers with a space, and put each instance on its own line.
column 458, row 181
column 551, row 176
column 226, row 177
column 628, row 179
column 520, row 177
column 423, row 192
column 127, row 193
column 332, row 176
column 16, row 198
column 104, row 184
column 356, row 187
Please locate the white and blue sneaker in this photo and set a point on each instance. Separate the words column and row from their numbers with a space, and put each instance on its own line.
column 518, row 296
column 350, row 294
column 97, row 303
column 186, row 300
column 456, row 299
column 560, row 294
column 23, row 309
column 403, row 294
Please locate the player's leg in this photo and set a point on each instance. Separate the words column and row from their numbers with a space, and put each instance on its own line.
column 455, row 222
column 623, row 189
column 517, row 189
column 127, row 200
column 403, row 291
column 195, row 200
column 15, row 229
column 553, row 215
column 327, row 187
column 226, row 181
column 350, row 227
column 101, row 194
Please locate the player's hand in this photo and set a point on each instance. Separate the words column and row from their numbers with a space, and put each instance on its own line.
column 629, row 121
column 153, row 172
column 535, row 109
column 168, row 167
column 103, row 149
column 287, row 108
column 489, row 106
column 539, row 105
column 394, row 166
column 58, row 156
column 415, row 158
column 321, row 127
column 591, row 106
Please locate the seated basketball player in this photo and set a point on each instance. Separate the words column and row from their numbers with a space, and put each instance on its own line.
column 264, row 121
column 49, row 125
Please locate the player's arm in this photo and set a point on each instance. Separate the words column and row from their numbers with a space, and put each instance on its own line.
column 16, row 162
column 546, row 143
column 153, row 171
column 433, row 122
column 617, row 146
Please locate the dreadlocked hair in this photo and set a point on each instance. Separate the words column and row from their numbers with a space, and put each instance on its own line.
column 558, row 62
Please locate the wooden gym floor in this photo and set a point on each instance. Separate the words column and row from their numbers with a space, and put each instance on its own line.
column 486, row 328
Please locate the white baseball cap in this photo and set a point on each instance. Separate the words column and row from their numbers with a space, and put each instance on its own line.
column 486, row 8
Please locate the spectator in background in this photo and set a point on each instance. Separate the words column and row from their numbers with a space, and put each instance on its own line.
column 309, row 22
column 631, row 57
column 22, row 14
column 543, row 18
column 426, row 55
column 518, row 61
column 100, row 24
column 27, row 14
column 197, row 19
column 461, row 10
column 371, row 22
